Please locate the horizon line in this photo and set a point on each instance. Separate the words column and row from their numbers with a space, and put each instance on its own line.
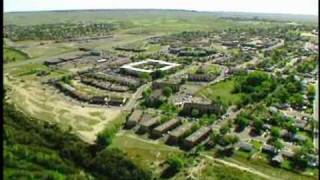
column 199, row 11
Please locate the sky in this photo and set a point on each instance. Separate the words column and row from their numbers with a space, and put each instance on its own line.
column 309, row 7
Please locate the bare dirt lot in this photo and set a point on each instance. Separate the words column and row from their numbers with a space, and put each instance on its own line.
column 45, row 102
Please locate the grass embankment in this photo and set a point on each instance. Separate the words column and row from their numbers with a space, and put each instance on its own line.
column 37, row 150
column 13, row 55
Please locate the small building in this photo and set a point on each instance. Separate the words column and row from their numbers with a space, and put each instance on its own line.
column 244, row 146
column 160, row 84
column 95, row 53
column 286, row 135
column 83, row 49
column 98, row 100
column 299, row 138
column 116, row 101
column 287, row 154
column 266, row 126
column 273, row 109
column 134, row 118
column 178, row 133
column 226, row 150
column 201, row 77
column 173, row 50
column 101, row 60
column 53, row 62
column 147, row 123
column 277, row 159
column 163, row 128
column 69, row 90
column 283, row 106
column 197, row 137
column 300, row 124
column 313, row 160
column 269, row 149
column 202, row 106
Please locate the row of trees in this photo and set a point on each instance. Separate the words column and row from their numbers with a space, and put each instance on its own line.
column 289, row 91
column 57, row 31
column 255, row 86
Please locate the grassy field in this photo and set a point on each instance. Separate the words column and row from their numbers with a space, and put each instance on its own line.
column 223, row 90
column 261, row 164
column 218, row 171
column 13, row 55
column 213, row 69
column 146, row 153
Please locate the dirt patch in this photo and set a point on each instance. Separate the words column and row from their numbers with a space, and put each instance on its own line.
column 46, row 103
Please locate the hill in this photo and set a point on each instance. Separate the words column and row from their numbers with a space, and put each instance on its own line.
column 37, row 150
column 74, row 16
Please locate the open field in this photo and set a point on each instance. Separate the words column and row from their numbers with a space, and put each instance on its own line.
column 223, row 90
column 145, row 153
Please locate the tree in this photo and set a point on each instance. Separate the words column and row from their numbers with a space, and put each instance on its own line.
column 105, row 138
column 195, row 127
column 258, row 125
column 146, row 93
column 242, row 121
column 167, row 91
column 296, row 100
column 113, row 164
column 282, row 94
column 145, row 76
column 300, row 158
column 224, row 129
column 215, row 136
column 275, row 132
column 195, row 113
column 158, row 74
column 230, row 139
column 291, row 128
column 277, row 144
column 311, row 92
column 175, row 163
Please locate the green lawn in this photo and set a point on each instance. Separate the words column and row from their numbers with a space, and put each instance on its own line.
column 217, row 171
column 256, row 144
column 261, row 164
column 27, row 69
column 213, row 69
column 148, row 155
column 223, row 90
column 12, row 55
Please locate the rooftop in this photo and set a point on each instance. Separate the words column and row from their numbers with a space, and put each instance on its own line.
column 198, row 134
column 180, row 130
column 167, row 124
column 163, row 65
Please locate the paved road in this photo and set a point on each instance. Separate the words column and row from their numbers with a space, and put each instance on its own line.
column 134, row 98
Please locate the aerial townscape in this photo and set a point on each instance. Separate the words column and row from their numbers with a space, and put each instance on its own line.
column 160, row 94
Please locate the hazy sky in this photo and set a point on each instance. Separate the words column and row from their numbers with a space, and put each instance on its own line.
column 267, row 6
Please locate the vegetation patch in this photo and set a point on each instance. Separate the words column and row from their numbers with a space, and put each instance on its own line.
column 223, row 91
column 12, row 55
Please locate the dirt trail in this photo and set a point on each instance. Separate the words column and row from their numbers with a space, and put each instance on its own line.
column 195, row 172
column 242, row 168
